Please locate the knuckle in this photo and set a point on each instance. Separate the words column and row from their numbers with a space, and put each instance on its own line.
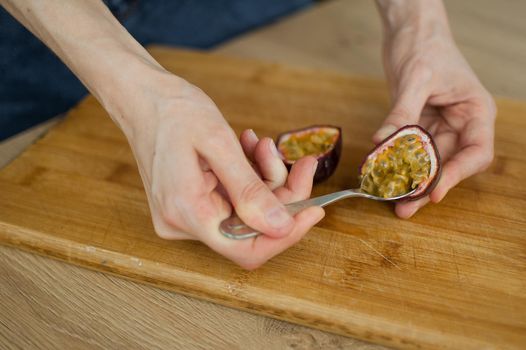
column 487, row 105
column 421, row 70
column 487, row 159
column 400, row 115
column 169, row 215
column 218, row 138
column 252, row 191
column 187, row 212
column 492, row 106
column 173, row 208
column 161, row 231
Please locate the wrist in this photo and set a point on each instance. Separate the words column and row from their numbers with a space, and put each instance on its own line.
column 137, row 94
column 415, row 18
column 118, row 84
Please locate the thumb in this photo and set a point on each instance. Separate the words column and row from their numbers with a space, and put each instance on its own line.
column 407, row 108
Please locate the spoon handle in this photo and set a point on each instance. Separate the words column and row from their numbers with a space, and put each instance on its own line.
column 321, row 201
column 234, row 228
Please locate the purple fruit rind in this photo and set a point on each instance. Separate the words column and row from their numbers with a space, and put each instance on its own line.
column 327, row 162
column 431, row 184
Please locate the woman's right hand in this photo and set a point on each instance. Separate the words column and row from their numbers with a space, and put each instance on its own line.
column 192, row 165
column 195, row 171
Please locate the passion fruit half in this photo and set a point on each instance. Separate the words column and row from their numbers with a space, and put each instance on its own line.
column 407, row 159
column 324, row 142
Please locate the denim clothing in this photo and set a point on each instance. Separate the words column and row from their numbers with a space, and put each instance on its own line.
column 35, row 85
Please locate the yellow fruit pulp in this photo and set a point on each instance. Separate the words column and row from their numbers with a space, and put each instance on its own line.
column 312, row 142
column 398, row 169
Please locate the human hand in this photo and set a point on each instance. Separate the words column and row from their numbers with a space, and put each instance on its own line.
column 191, row 163
column 194, row 169
column 432, row 85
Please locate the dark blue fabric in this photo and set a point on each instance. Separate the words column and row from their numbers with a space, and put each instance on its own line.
column 35, row 85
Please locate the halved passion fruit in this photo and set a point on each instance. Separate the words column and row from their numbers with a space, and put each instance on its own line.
column 321, row 141
column 406, row 160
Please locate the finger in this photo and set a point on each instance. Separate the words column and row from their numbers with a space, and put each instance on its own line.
column 249, row 141
column 252, row 253
column 470, row 160
column 180, row 201
column 254, row 202
column 168, row 180
column 265, row 248
column 203, row 164
column 269, row 163
column 407, row 209
column 446, row 143
column 299, row 182
column 210, row 181
column 407, row 107
column 169, row 232
column 467, row 162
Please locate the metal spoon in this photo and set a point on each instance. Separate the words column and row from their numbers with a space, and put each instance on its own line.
column 234, row 228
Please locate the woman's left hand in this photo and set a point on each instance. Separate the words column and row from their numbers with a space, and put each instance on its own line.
column 432, row 85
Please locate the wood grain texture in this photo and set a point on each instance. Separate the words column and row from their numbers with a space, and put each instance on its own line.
column 339, row 35
column 454, row 276
column 12, row 147
column 346, row 36
column 49, row 305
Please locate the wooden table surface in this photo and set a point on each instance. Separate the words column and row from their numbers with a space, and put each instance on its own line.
column 59, row 305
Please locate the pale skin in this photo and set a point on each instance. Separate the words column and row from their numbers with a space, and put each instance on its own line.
column 196, row 171
column 432, row 85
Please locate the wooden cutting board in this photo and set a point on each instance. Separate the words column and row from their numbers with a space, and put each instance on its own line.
column 454, row 276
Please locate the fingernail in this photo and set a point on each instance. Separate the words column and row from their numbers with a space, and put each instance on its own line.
column 385, row 131
column 278, row 217
column 273, row 148
column 314, row 168
column 252, row 135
